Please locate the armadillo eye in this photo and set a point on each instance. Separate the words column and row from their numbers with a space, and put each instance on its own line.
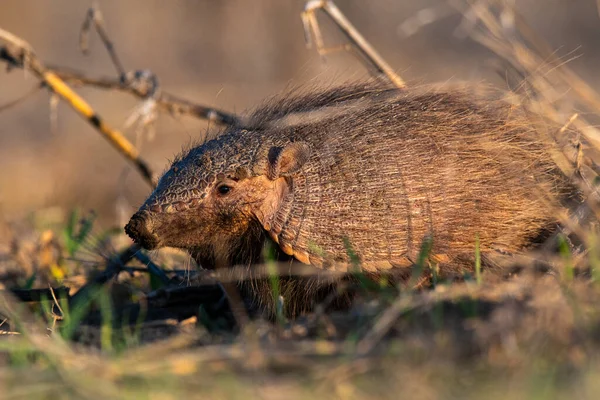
column 224, row 189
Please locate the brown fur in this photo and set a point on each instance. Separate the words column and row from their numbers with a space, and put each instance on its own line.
column 379, row 168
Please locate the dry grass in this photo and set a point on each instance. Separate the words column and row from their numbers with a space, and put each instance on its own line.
column 531, row 335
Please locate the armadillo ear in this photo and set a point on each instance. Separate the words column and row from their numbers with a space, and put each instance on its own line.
column 284, row 161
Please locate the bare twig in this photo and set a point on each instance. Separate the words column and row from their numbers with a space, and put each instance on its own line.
column 37, row 295
column 113, row 267
column 21, row 99
column 372, row 59
column 152, row 267
column 145, row 113
column 142, row 83
column 94, row 17
column 56, row 302
column 165, row 101
column 31, row 328
column 20, row 54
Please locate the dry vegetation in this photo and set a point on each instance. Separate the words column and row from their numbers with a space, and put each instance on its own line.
column 84, row 314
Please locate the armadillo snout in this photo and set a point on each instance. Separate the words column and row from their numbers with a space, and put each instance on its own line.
column 139, row 229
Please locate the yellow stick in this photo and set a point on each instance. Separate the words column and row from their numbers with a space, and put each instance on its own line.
column 115, row 137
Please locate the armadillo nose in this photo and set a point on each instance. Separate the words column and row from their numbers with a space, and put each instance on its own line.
column 139, row 229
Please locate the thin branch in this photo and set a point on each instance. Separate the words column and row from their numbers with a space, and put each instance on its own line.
column 113, row 267
column 56, row 302
column 142, row 83
column 21, row 99
column 371, row 57
column 94, row 17
column 152, row 267
column 20, row 54
column 168, row 102
column 37, row 295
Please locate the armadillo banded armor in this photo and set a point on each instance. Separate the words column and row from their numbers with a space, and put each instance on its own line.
column 365, row 170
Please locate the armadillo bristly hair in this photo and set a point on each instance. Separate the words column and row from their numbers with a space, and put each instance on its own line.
column 376, row 168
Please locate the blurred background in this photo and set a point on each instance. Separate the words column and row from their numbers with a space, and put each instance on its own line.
column 229, row 54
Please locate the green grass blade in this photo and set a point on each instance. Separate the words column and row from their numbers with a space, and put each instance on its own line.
column 478, row 277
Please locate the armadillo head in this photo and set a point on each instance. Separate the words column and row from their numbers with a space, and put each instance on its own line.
column 215, row 199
